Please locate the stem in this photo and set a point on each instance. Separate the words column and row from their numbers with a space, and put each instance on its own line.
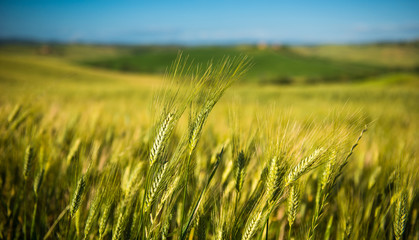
column 236, row 202
column 184, row 231
column 289, row 232
column 62, row 214
column 142, row 227
column 142, row 230
column 267, row 228
column 69, row 226
column 185, row 190
column 24, row 211
column 317, row 210
column 33, row 219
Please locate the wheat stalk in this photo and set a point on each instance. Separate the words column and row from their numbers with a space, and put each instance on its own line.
column 36, row 186
column 328, row 228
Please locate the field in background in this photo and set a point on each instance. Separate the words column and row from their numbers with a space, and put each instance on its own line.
column 28, row 72
column 402, row 55
column 273, row 64
column 58, row 72
column 104, row 94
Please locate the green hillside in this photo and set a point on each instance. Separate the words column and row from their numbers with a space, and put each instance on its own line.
column 271, row 64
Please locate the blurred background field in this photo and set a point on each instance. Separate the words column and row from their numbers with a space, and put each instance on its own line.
column 273, row 64
column 289, row 75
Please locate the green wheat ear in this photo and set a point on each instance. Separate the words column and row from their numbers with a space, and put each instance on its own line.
column 93, row 213
column 154, row 187
column 162, row 137
column 293, row 204
column 72, row 154
column 252, row 226
column 27, row 164
column 77, row 196
column 275, row 175
column 104, row 217
column 400, row 214
column 328, row 171
column 13, row 114
column 303, row 167
column 38, row 181
column 240, row 172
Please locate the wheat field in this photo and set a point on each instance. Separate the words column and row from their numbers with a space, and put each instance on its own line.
column 94, row 154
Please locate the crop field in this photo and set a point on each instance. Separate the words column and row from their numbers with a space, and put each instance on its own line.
column 237, row 142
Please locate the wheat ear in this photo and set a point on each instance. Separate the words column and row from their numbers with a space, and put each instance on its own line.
column 162, row 137
column 154, row 187
column 38, row 181
column 77, row 196
column 13, row 114
column 322, row 193
column 93, row 213
column 275, row 174
column 104, row 217
column 240, row 172
column 27, row 164
column 303, row 166
column 400, row 215
column 73, row 151
column 292, row 205
column 199, row 124
column 251, row 226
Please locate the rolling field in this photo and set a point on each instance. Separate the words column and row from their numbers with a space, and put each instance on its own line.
column 96, row 143
column 272, row 64
column 402, row 55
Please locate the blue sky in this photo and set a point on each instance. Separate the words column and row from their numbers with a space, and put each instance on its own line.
column 210, row 22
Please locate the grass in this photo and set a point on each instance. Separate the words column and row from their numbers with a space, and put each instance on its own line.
column 95, row 154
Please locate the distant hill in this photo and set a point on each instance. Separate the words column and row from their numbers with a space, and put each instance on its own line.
column 394, row 55
column 272, row 63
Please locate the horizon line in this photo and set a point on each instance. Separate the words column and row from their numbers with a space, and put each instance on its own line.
column 22, row 40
